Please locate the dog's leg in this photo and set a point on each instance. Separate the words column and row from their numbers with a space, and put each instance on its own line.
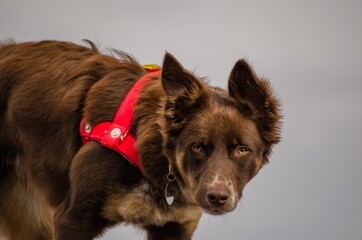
column 22, row 214
column 172, row 230
column 92, row 174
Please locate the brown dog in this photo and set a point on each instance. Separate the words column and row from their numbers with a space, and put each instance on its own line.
column 197, row 144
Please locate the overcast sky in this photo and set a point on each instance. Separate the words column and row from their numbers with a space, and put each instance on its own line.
column 312, row 53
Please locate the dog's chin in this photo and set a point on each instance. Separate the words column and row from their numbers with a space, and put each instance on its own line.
column 212, row 210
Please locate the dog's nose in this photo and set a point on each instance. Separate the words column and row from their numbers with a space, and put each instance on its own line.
column 218, row 195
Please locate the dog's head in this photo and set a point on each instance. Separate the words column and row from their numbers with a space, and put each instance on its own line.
column 217, row 140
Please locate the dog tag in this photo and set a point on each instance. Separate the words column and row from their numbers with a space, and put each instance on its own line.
column 170, row 188
column 168, row 195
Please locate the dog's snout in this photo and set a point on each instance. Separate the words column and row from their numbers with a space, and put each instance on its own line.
column 218, row 195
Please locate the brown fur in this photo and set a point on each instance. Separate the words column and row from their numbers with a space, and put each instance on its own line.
column 213, row 141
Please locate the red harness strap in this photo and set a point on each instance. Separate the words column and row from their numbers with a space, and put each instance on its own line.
column 115, row 135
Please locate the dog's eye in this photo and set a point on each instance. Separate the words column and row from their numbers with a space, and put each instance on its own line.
column 197, row 147
column 242, row 150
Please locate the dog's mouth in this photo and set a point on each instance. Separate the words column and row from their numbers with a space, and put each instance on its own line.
column 217, row 210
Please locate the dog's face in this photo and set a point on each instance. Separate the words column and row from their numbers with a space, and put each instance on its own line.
column 217, row 153
column 217, row 141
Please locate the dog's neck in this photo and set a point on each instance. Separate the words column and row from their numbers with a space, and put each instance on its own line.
column 116, row 134
column 148, row 112
column 155, row 165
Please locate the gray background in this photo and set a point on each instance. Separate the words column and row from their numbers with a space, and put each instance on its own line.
column 312, row 53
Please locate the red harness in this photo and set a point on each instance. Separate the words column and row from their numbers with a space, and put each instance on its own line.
column 115, row 135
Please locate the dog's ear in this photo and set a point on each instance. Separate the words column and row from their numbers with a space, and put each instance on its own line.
column 256, row 95
column 243, row 85
column 176, row 80
column 183, row 90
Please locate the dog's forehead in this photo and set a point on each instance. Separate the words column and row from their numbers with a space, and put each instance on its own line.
column 220, row 96
column 223, row 119
column 227, row 119
column 224, row 107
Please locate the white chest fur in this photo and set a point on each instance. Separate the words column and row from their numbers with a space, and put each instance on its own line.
column 139, row 207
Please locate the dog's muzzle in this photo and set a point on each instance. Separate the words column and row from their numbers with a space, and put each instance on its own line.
column 217, row 197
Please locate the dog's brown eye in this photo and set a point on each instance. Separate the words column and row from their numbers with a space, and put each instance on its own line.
column 243, row 150
column 197, row 147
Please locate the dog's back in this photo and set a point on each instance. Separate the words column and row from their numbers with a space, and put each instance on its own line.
column 28, row 71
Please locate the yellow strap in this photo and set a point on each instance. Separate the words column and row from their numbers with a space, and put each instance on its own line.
column 151, row 67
